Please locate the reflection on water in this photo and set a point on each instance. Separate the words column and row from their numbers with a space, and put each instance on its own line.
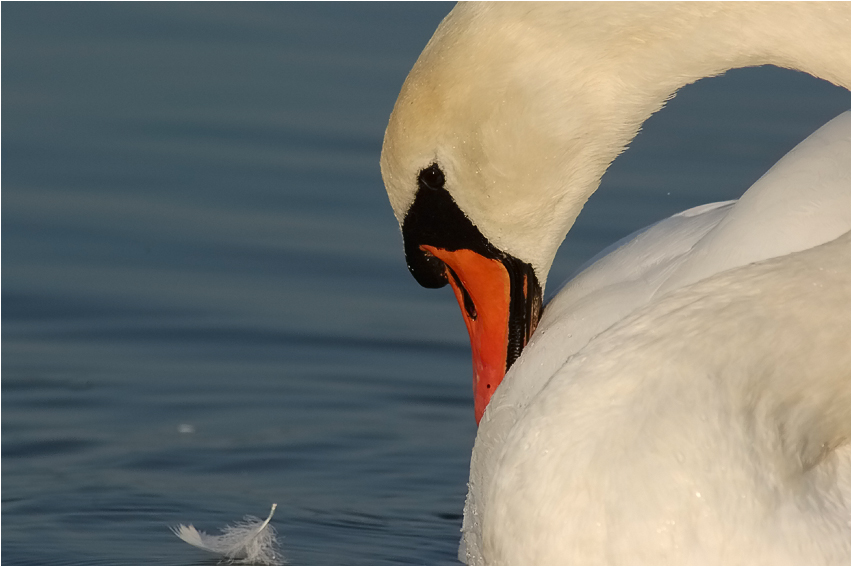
column 205, row 304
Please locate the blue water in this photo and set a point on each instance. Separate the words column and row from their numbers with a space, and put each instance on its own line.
column 205, row 307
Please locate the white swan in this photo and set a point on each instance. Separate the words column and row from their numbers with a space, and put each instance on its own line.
column 686, row 399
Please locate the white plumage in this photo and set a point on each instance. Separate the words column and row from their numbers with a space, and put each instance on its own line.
column 685, row 399
column 251, row 541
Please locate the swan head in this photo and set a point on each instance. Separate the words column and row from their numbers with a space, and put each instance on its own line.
column 519, row 145
column 488, row 158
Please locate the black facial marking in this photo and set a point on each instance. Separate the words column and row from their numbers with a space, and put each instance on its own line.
column 524, row 309
column 434, row 219
column 432, row 177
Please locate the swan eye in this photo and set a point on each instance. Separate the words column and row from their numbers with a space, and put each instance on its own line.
column 432, row 177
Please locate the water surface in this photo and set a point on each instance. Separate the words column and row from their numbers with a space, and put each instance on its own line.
column 205, row 305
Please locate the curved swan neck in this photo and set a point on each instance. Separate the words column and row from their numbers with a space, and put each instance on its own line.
column 645, row 53
column 664, row 46
column 652, row 51
column 525, row 105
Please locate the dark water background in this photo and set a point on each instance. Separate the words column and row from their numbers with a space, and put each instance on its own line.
column 205, row 307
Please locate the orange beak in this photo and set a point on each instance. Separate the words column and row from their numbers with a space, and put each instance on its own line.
column 499, row 294
column 484, row 290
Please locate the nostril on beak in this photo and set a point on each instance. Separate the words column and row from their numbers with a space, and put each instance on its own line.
column 469, row 306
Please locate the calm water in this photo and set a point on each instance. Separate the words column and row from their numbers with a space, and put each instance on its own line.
column 205, row 304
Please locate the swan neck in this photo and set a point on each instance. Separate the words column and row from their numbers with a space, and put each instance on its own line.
column 641, row 54
column 524, row 105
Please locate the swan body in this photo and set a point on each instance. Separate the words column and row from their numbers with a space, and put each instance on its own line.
column 685, row 398
column 616, row 351
column 660, row 442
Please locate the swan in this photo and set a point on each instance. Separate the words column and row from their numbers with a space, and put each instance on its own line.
column 685, row 398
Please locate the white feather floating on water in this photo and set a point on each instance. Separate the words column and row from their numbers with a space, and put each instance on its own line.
column 250, row 541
